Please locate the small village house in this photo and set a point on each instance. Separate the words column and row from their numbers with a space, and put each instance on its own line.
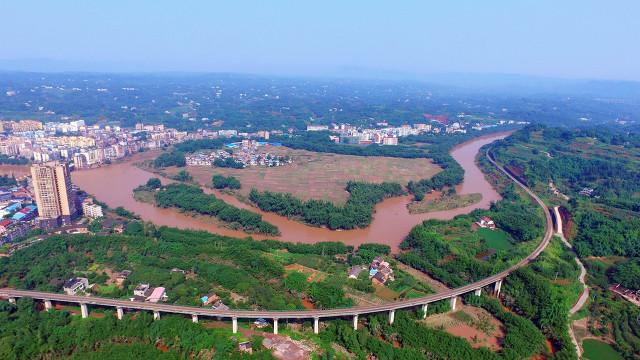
column 75, row 285
column 486, row 222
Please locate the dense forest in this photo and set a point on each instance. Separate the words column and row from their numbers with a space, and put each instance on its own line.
column 26, row 333
column 357, row 212
column 416, row 341
column 597, row 171
column 605, row 163
column 192, row 198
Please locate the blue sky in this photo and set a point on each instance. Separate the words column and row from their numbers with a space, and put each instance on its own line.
column 560, row 38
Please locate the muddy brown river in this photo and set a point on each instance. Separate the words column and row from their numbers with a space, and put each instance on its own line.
column 392, row 222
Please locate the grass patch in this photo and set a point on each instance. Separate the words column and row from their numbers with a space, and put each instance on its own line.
column 108, row 290
column 495, row 239
column 144, row 196
column 385, row 293
column 596, row 350
column 413, row 294
column 444, row 202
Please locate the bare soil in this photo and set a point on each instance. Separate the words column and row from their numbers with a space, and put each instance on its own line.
column 318, row 175
column 476, row 337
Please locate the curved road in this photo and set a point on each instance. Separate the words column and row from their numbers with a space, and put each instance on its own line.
column 306, row 314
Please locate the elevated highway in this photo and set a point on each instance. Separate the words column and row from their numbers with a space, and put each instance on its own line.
column 316, row 315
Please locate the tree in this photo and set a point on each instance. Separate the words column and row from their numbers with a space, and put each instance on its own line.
column 153, row 183
column 183, row 175
column 95, row 226
column 627, row 274
column 296, row 282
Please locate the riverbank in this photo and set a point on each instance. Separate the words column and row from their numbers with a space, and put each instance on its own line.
column 114, row 185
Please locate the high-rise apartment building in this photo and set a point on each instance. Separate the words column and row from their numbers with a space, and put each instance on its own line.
column 54, row 196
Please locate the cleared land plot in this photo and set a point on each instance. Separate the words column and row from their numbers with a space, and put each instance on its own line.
column 444, row 202
column 319, row 175
column 495, row 239
column 476, row 325
column 595, row 349
column 313, row 274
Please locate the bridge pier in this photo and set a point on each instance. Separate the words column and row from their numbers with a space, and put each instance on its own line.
column 156, row 315
column 194, row 318
column 392, row 316
column 478, row 292
column 425, row 307
column 120, row 313
column 234, row 322
column 453, row 303
column 48, row 305
column 275, row 326
column 316, row 325
column 497, row 287
column 12, row 300
column 84, row 310
column 355, row 322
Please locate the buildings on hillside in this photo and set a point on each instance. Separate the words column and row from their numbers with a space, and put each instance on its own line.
column 54, row 195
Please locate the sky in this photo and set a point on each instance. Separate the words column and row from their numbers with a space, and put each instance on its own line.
column 588, row 39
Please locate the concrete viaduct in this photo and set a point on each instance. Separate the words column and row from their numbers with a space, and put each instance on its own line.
column 196, row 312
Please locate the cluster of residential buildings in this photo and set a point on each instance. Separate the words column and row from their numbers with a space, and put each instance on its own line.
column 245, row 152
column 214, row 301
column 142, row 292
column 79, row 144
column 17, row 212
column 383, row 134
column 380, row 271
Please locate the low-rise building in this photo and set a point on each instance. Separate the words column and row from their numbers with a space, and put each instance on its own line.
column 381, row 271
column 89, row 209
column 144, row 292
column 486, row 223
column 75, row 285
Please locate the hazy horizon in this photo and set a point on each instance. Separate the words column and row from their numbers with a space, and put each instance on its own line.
column 567, row 40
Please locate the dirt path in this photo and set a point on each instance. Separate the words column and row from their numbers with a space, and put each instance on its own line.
column 584, row 296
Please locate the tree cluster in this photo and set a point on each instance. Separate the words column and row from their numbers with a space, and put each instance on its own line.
column 171, row 158
column 192, row 198
column 225, row 182
column 357, row 212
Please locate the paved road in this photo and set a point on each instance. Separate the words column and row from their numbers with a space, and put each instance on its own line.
column 308, row 314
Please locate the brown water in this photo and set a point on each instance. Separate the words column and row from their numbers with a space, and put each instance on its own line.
column 114, row 185
column 19, row 171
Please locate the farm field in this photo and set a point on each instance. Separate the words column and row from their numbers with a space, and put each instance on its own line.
column 594, row 350
column 495, row 239
column 320, row 176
